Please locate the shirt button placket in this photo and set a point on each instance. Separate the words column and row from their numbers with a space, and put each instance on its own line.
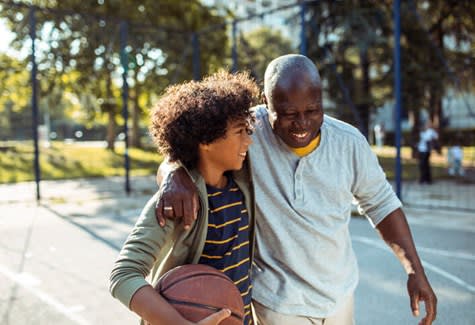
column 298, row 182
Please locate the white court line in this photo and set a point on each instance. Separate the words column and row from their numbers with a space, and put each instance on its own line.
column 427, row 265
column 20, row 280
column 441, row 252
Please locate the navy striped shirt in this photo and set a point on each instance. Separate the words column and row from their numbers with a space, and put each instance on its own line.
column 227, row 246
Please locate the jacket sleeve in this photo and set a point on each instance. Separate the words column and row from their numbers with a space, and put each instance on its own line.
column 146, row 245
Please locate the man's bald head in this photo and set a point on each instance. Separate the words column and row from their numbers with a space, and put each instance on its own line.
column 287, row 69
column 293, row 96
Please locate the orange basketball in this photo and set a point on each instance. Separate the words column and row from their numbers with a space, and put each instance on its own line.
column 197, row 291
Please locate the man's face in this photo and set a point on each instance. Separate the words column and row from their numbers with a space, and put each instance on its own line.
column 299, row 112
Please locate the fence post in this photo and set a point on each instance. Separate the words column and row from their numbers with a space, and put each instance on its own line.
column 34, row 100
column 303, row 37
column 125, row 97
column 195, row 41
column 397, row 92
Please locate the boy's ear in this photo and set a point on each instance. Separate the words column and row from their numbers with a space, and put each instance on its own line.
column 204, row 146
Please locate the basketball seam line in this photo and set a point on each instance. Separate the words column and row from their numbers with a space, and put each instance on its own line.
column 195, row 304
column 222, row 275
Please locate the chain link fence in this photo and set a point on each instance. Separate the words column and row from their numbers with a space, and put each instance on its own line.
column 97, row 75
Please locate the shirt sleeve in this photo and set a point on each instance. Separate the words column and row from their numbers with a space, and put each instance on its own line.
column 144, row 246
column 370, row 187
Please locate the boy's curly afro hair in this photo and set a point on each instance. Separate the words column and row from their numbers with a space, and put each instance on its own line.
column 198, row 112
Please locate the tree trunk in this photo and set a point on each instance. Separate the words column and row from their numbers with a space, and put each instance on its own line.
column 364, row 105
column 436, row 93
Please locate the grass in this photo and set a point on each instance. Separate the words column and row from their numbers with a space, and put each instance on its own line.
column 77, row 160
column 72, row 160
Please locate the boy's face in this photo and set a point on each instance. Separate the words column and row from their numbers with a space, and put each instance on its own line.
column 298, row 112
column 229, row 151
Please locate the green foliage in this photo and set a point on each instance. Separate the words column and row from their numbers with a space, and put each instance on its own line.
column 79, row 55
column 80, row 60
column 437, row 49
column 258, row 47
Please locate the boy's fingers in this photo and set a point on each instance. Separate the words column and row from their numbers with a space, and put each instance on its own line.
column 216, row 318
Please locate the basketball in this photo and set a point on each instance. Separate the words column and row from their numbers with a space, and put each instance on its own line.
column 197, row 291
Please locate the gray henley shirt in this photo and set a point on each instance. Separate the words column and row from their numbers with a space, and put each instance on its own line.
column 305, row 264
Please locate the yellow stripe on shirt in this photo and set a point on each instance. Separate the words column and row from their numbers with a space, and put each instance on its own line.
column 235, row 265
column 217, row 257
column 227, row 206
column 215, row 194
column 247, row 292
column 241, row 279
column 212, row 225
column 221, row 241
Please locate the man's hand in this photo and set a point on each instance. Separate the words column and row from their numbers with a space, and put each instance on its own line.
column 178, row 199
column 419, row 289
column 396, row 233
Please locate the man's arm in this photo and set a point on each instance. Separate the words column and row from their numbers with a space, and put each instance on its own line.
column 396, row 233
column 179, row 198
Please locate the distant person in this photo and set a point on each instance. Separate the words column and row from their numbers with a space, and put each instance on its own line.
column 455, row 158
column 428, row 141
column 379, row 134
column 206, row 126
column 306, row 168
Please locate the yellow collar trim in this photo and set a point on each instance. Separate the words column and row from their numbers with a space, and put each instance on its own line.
column 308, row 148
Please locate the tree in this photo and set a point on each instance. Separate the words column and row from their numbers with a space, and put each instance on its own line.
column 347, row 38
column 88, row 43
column 15, row 95
column 258, row 47
column 436, row 42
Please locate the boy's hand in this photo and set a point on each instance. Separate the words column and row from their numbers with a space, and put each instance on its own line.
column 216, row 318
column 178, row 199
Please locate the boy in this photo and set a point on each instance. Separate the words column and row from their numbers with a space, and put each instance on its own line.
column 206, row 126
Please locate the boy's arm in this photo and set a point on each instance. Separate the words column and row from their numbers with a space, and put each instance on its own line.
column 396, row 233
column 151, row 306
column 137, row 257
column 179, row 198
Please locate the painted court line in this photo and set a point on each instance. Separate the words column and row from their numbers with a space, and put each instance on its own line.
column 460, row 255
column 29, row 285
column 427, row 265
